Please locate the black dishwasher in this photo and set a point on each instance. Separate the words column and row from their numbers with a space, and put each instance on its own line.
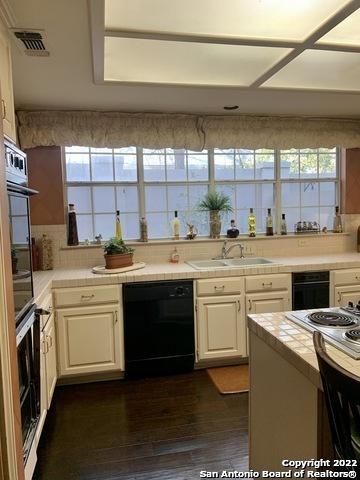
column 310, row 290
column 158, row 328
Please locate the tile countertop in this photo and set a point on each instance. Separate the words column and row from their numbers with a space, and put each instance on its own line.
column 80, row 277
column 295, row 345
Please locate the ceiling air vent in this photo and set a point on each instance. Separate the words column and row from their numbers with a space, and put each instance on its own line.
column 31, row 42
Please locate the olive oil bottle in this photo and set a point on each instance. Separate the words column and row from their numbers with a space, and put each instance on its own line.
column 252, row 223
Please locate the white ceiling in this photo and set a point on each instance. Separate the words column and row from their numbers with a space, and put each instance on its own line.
column 193, row 58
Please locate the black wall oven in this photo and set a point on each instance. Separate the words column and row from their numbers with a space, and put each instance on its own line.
column 26, row 320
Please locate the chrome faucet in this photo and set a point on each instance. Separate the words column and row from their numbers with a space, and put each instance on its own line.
column 225, row 251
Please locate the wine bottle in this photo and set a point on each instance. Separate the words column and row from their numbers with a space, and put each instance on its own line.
column 337, row 227
column 283, row 227
column 118, row 231
column 269, row 224
column 73, row 238
column 175, row 223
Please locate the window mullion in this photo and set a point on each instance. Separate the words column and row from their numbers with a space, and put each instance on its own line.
column 211, row 165
column 278, row 206
column 141, row 183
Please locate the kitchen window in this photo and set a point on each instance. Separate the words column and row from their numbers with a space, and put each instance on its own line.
column 303, row 184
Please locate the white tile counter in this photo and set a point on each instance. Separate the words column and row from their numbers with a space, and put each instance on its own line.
column 78, row 277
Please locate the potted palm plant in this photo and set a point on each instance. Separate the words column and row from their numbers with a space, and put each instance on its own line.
column 117, row 254
column 215, row 202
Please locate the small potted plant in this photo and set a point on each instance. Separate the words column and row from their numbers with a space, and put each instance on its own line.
column 215, row 202
column 117, row 254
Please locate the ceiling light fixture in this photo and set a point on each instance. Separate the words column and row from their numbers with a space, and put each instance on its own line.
column 231, row 107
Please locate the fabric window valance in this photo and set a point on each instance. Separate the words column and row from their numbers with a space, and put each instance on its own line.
column 194, row 132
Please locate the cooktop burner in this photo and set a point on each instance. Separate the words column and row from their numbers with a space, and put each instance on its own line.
column 353, row 335
column 340, row 329
column 331, row 319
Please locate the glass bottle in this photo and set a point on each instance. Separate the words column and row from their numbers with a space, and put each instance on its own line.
column 283, row 227
column 73, row 238
column 269, row 224
column 118, row 231
column 143, row 230
column 337, row 228
column 175, row 223
column 252, row 223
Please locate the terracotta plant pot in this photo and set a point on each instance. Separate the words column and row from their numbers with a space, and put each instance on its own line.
column 118, row 260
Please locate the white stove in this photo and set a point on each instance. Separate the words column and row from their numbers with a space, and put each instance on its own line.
column 340, row 326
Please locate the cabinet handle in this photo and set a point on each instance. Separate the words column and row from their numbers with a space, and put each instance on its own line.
column 267, row 285
column 219, row 288
column 339, row 297
column 357, row 277
column 87, row 297
column 50, row 340
column 250, row 304
column 115, row 316
column 3, row 105
column 239, row 305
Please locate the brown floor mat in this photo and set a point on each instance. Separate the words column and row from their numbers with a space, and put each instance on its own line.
column 228, row 380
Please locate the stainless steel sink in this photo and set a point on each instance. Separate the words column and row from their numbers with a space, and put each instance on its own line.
column 227, row 263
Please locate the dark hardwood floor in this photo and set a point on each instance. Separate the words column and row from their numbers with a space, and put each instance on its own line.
column 165, row 428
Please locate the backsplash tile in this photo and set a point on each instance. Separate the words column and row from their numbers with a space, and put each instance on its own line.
column 196, row 250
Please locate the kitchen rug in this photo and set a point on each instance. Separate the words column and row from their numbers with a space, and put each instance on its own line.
column 234, row 379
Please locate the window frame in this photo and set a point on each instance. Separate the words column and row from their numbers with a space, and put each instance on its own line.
column 277, row 181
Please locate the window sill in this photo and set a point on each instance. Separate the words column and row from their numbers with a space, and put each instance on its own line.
column 169, row 241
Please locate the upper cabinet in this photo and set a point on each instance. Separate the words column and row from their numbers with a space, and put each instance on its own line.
column 7, row 96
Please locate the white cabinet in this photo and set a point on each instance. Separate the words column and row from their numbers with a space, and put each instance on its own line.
column 346, row 294
column 267, row 302
column 49, row 338
column 221, row 327
column 90, row 339
column 7, row 96
column 48, row 363
column 344, row 287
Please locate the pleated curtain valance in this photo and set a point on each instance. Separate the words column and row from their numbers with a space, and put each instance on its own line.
column 194, row 132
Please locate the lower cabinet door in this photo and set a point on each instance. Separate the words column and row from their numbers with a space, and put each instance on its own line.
column 221, row 327
column 43, row 386
column 89, row 339
column 268, row 302
column 344, row 295
column 51, row 367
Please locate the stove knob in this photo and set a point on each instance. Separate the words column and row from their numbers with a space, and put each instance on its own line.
column 350, row 305
column 358, row 306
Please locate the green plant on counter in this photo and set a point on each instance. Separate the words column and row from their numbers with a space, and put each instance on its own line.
column 115, row 246
column 215, row 202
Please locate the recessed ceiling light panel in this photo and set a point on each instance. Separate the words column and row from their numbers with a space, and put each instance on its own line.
column 345, row 33
column 267, row 19
column 156, row 61
column 320, row 70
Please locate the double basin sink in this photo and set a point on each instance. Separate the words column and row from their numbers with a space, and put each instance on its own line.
column 227, row 263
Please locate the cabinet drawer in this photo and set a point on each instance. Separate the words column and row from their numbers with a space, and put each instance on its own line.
column 65, row 297
column 260, row 283
column 347, row 277
column 220, row 286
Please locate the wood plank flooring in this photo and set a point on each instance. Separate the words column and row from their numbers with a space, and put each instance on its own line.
column 166, row 428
